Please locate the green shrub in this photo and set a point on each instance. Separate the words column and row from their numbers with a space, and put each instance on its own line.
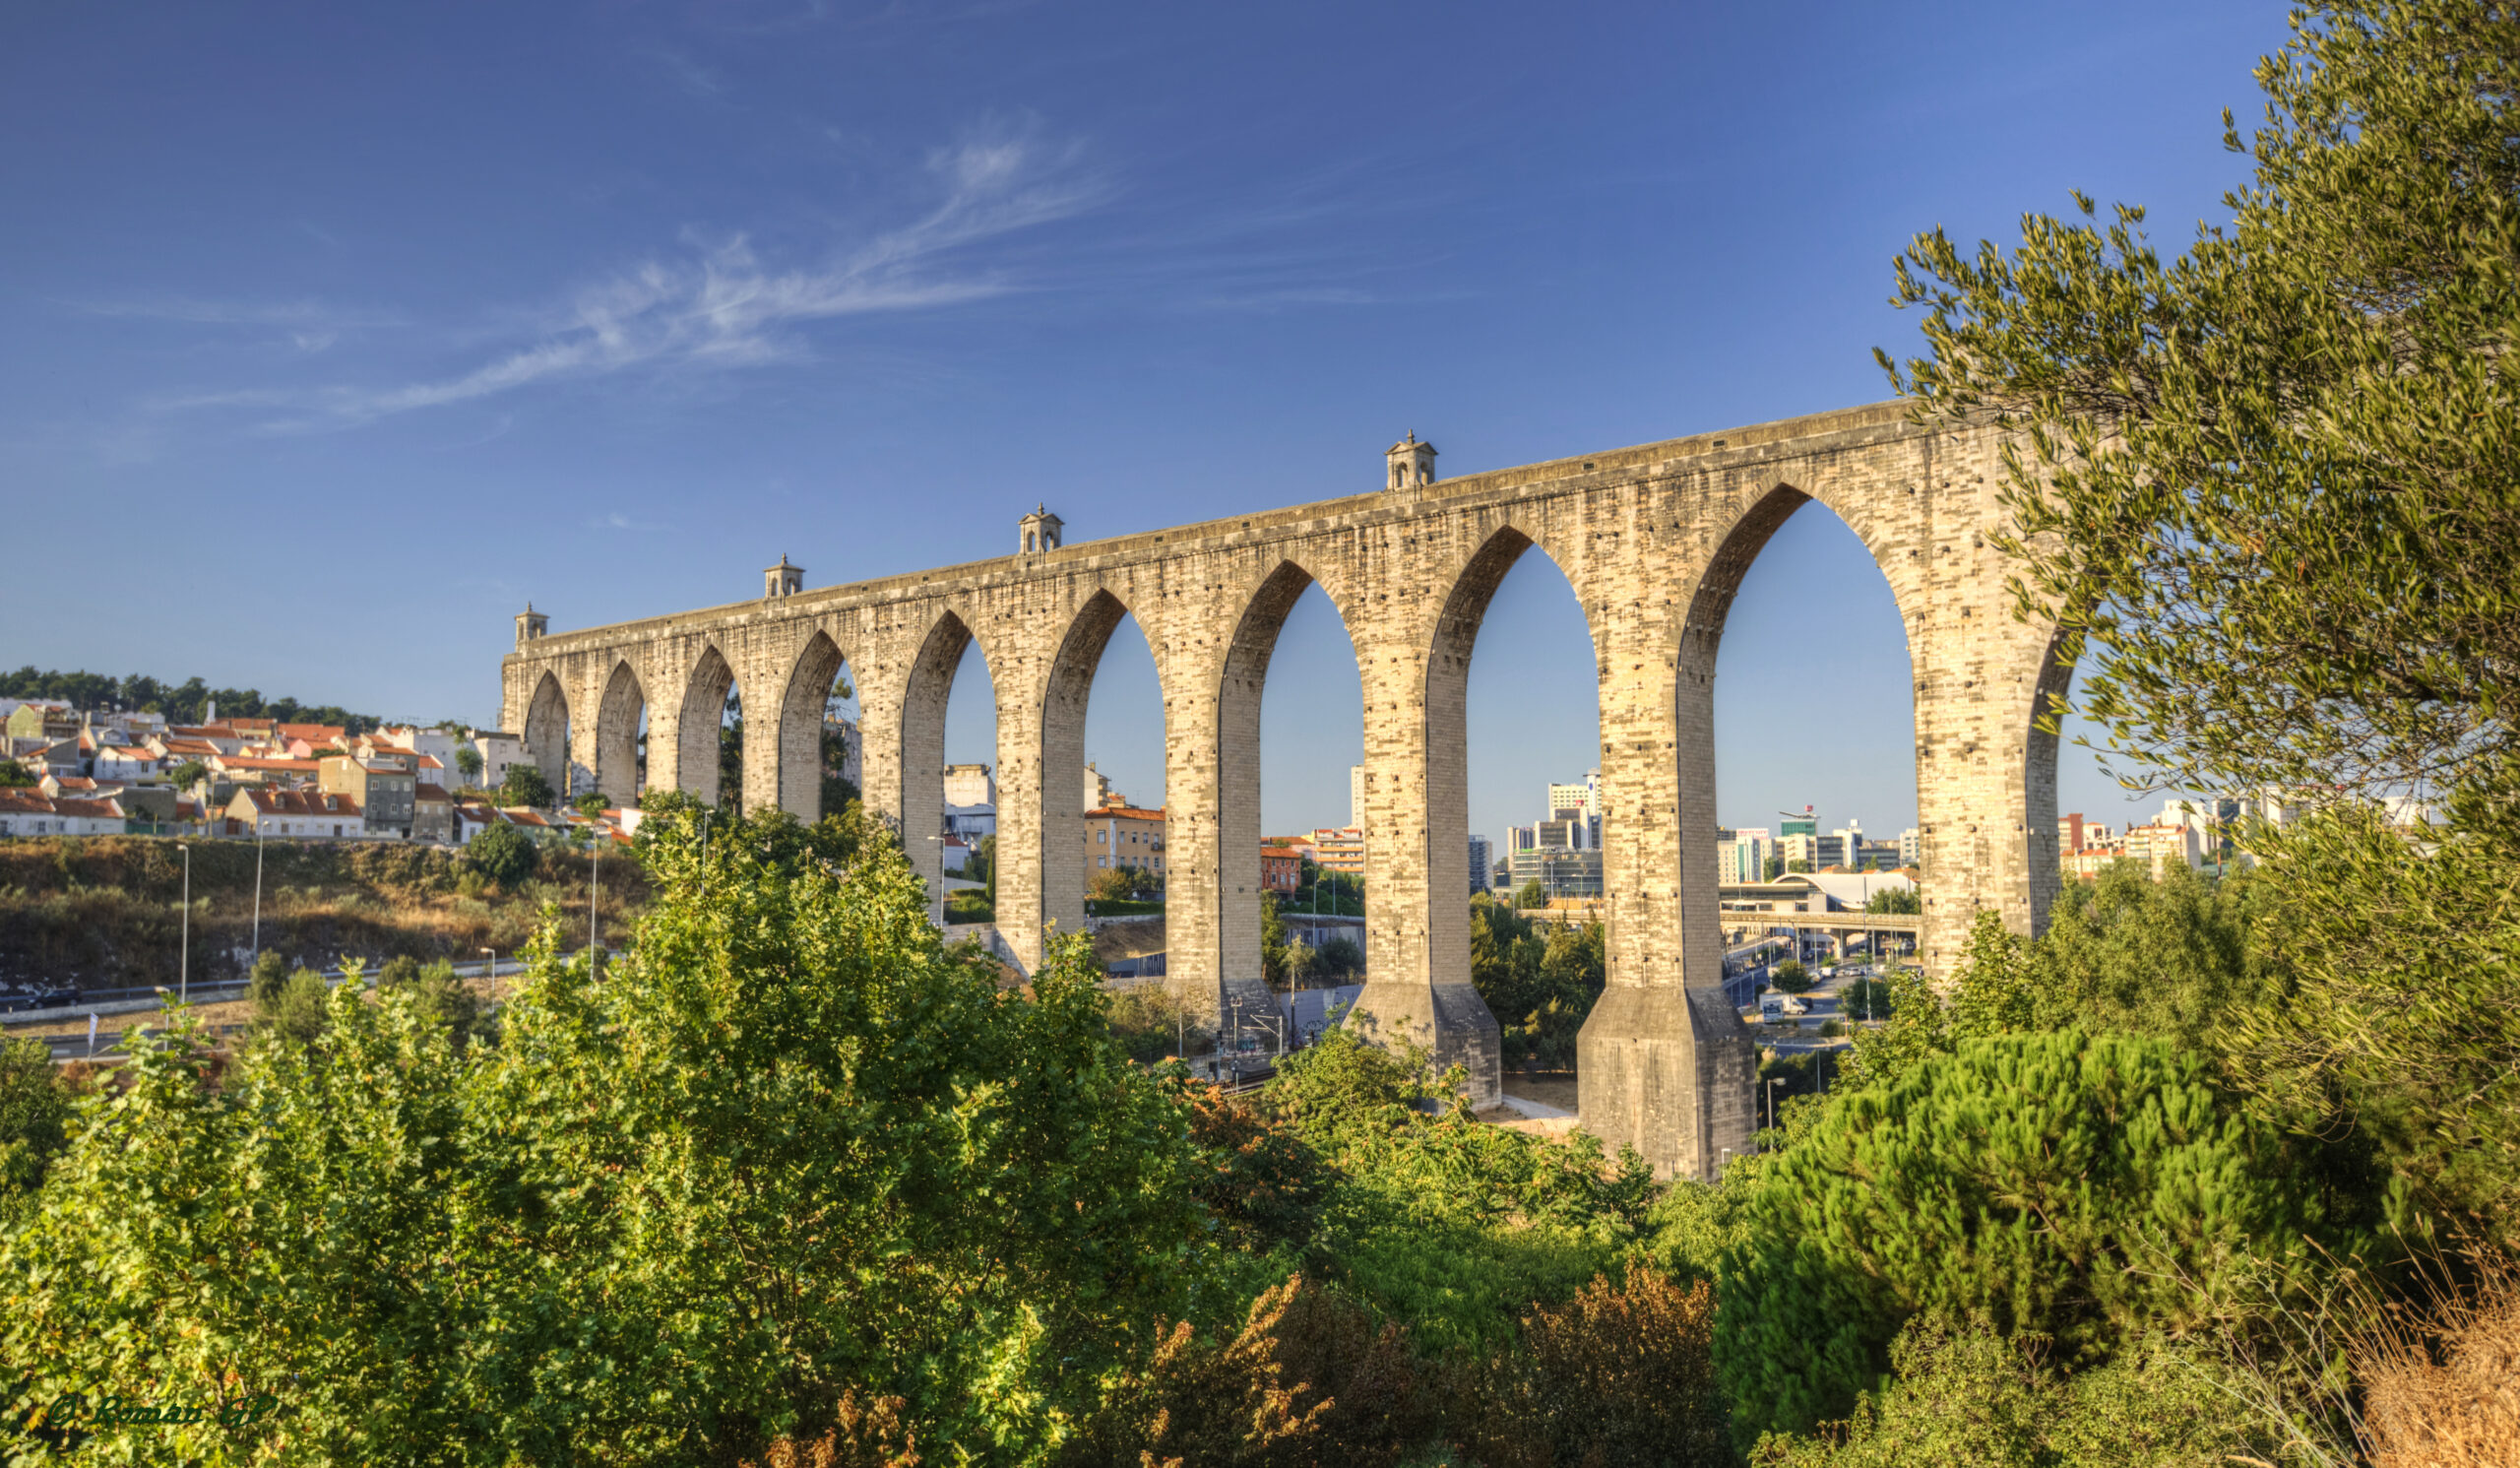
column 296, row 1011
column 34, row 1115
column 2087, row 1189
column 264, row 980
column 504, row 854
column 1972, row 1397
column 523, row 785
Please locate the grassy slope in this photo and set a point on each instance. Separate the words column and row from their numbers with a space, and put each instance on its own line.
column 106, row 912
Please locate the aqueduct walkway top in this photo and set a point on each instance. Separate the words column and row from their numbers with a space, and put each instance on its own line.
column 1653, row 539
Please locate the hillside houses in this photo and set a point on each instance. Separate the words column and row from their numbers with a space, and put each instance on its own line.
column 114, row 773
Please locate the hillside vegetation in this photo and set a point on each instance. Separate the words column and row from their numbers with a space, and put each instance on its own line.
column 107, row 912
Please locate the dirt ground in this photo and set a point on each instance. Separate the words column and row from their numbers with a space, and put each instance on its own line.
column 1547, row 1087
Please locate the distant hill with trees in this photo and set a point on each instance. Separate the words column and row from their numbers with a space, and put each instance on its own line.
column 182, row 703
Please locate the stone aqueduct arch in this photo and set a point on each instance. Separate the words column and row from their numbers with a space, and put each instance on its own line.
column 1653, row 539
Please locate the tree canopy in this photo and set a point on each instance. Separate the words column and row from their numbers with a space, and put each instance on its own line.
column 2272, row 482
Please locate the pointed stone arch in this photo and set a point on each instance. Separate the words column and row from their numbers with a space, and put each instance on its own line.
column 546, row 732
column 920, row 796
column 800, row 727
column 1060, row 804
column 616, row 734
column 1220, row 938
column 696, row 732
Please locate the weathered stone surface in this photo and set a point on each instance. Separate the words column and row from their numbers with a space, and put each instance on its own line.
column 1653, row 539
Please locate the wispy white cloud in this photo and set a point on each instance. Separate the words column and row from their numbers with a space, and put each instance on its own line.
column 311, row 317
column 721, row 307
column 620, row 522
column 703, row 83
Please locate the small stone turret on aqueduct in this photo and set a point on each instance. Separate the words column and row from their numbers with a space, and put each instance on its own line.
column 1653, row 539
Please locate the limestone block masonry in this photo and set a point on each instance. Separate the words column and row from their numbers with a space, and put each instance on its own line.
column 1653, row 539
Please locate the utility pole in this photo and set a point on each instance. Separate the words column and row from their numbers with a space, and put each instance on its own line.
column 258, row 882
column 594, row 895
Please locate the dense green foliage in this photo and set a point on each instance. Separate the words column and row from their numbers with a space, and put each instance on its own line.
column 15, row 776
column 2273, row 484
column 34, row 1112
column 1539, row 979
column 1895, row 899
column 504, row 854
column 2086, row 1188
column 789, row 1095
column 523, row 785
column 181, row 703
column 1974, row 1397
column 2268, row 487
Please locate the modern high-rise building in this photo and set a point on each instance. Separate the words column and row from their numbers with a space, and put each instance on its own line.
column 1744, row 857
column 1582, row 800
column 1481, row 861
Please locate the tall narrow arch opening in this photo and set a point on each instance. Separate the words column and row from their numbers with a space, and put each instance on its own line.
column 621, row 731
column 1532, row 813
column 1289, row 835
column 709, row 740
column 817, row 758
column 1122, row 854
column 1814, row 839
column 967, row 849
column 1064, row 835
column 949, row 719
column 547, row 733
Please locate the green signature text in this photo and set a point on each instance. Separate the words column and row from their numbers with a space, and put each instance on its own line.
column 114, row 1410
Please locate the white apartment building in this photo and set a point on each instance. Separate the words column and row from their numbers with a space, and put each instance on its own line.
column 498, row 749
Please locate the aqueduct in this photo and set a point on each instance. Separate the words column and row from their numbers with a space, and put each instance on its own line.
column 1653, row 539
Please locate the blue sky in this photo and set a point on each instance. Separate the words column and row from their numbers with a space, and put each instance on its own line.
column 329, row 335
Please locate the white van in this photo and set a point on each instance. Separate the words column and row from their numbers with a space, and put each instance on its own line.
column 1773, row 1005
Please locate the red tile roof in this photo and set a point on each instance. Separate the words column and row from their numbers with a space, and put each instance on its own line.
column 298, row 802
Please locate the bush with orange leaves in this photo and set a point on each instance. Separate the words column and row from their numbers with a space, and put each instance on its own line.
column 1623, row 1373
column 867, row 1434
column 1262, row 1183
column 1308, row 1380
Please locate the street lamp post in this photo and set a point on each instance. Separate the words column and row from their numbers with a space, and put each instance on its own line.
column 490, row 970
column 184, row 969
column 594, row 895
column 258, row 882
column 1773, row 1083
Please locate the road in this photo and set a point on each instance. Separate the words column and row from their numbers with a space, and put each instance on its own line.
column 108, row 1043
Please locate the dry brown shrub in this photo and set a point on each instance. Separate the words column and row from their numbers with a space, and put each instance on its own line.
column 2446, row 1394
column 1621, row 1374
column 1308, row 1380
column 867, row 1434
